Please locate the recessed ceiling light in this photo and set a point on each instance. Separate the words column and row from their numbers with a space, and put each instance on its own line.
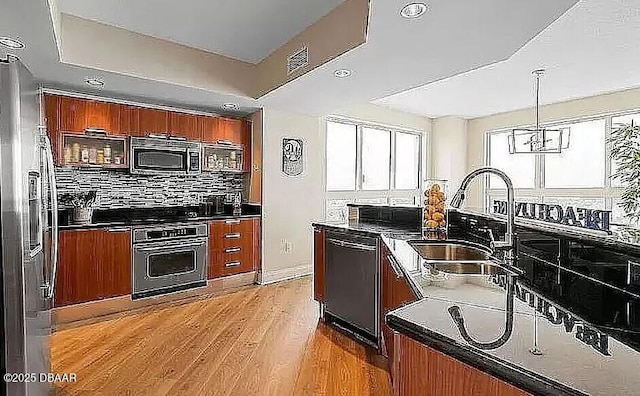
column 342, row 73
column 11, row 43
column 230, row 106
column 413, row 10
column 95, row 82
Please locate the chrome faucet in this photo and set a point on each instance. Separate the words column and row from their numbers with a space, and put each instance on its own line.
column 459, row 196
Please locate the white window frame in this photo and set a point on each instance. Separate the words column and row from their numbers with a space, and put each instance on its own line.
column 362, row 196
column 539, row 192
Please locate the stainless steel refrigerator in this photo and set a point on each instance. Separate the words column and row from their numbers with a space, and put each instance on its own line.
column 28, row 231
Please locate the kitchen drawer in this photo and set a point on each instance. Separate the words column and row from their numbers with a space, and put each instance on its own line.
column 243, row 240
column 231, row 263
column 230, row 226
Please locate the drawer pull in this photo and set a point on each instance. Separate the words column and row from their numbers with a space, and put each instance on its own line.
column 232, row 221
column 232, row 250
column 117, row 229
column 232, row 236
column 232, row 264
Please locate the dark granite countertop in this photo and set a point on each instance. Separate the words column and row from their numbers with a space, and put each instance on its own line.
column 375, row 230
column 579, row 354
column 144, row 223
column 621, row 238
column 142, row 217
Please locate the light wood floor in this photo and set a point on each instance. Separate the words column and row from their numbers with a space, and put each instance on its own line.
column 258, row 341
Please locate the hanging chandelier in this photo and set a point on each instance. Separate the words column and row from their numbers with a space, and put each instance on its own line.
column 538, row 140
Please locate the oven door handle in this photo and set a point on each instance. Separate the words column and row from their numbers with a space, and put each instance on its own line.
column 176, row 247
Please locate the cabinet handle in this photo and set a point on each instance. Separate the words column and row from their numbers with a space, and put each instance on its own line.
column 394, row 266
column 232, row 236
column 232, row 221
column 94, row 131
column 227, row 142
column 117, row 229
column 157, row 135
column 232, row 264
column 232, row 250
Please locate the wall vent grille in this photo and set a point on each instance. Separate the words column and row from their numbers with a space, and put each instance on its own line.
column 298, row 60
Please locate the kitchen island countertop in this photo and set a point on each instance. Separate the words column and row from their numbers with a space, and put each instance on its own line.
column 578, row 354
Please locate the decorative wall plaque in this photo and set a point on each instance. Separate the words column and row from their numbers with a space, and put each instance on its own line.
column 292, row 156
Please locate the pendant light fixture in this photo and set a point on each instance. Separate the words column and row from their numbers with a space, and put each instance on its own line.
column 538, row 140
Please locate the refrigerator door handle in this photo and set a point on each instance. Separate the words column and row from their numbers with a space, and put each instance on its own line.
column 50, row 282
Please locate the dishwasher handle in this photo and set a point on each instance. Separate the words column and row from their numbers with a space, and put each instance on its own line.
column 351, row 245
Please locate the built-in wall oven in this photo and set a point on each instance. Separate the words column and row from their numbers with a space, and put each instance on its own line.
column 169, row 258
column 157, row 155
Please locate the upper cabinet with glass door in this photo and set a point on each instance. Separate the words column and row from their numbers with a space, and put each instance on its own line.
column 226, row 144
column 88, row 133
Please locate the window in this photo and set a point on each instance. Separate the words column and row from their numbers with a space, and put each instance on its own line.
column 370, row 164
column 341, row 156
column 582, row 165
column 579, row 176
column 407, row 161
column 376, row 152
column 520, row 168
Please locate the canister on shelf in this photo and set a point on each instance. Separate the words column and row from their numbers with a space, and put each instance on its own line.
column 107, row 154
column 93, row 155
column 75, row 152
column 100, row 157
column 67, row 154
column 84, row 154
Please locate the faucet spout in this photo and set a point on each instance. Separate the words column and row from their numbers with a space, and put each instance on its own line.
column 459, row 197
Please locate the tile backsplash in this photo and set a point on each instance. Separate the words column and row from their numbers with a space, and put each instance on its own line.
column 117, row 189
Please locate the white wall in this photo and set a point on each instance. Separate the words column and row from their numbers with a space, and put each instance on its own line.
column 592, row 106
column 291, row 204
column 449, row 150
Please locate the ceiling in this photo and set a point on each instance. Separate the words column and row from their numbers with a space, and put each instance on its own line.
column 247, row 30
column 453, row 37
column 592, row 49
column 398, row 54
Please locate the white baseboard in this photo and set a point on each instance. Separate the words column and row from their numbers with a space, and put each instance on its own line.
column 267, row 277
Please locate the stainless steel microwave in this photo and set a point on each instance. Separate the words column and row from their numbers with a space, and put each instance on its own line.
column 162, row 156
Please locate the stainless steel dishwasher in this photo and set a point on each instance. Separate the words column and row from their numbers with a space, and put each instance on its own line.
column 351, row 284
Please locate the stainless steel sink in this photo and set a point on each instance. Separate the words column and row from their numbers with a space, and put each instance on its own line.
column 485, row 268
column 456, row 258
column 450, row 251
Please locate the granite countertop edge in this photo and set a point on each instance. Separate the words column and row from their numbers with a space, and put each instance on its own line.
column 510, row 373
column 153, row 222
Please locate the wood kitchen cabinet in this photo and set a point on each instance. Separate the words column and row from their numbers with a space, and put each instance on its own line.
column 152, row 121
column 232, row 130
column 422, row 371
column 209, row 129
column 129, row 120
column 92, row 265
column 395, row 292
column 247, row 130
column 104, row 116
column 234, row 247
column 72, row 114
column 185, row 125
column 51, row 122
column 318, row 264
column 75, row 115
